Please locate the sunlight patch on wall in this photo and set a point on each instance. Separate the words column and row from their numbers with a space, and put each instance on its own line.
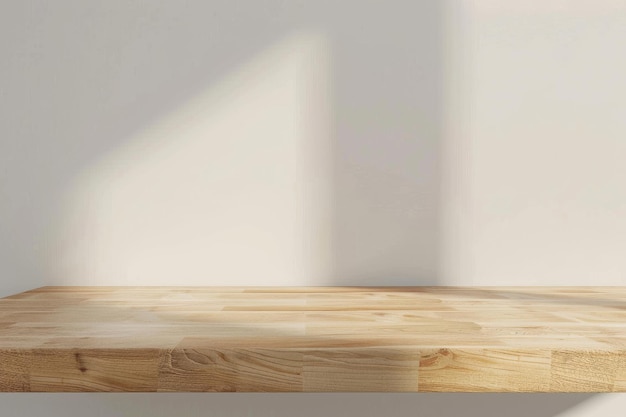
column 532, row 8
column 230, row 189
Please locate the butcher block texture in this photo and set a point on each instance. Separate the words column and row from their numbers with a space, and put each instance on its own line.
column 314, row 339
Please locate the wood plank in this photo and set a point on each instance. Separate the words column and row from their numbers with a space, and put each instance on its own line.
column 102, row 370
column 14, row 371
column 314, row 339
column 205, row 369
column 584, row 371
column 361, row 370
column 485, row 370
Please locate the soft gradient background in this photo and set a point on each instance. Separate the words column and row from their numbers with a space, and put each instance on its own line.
column 312, row 142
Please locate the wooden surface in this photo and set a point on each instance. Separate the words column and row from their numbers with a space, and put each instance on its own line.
column 418, row 339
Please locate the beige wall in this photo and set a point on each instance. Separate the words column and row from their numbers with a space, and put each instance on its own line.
column 312, row 142
column 535, row 168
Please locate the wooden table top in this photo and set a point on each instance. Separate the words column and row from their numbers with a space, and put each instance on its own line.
column 416, row 339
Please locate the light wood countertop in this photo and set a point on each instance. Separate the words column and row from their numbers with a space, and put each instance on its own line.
column 279, row 339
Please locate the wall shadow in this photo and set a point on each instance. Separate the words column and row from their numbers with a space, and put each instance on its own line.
column 287, row 405
column 388, row 111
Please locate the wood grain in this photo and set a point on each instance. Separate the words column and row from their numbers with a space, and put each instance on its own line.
column 314, row 339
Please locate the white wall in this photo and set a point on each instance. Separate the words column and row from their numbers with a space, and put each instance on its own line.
column 312, row 142
column 536, row 145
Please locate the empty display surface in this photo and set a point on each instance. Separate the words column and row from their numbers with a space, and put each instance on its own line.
column 314, row 339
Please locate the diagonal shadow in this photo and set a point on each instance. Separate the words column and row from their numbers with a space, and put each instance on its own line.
column 131, row 65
